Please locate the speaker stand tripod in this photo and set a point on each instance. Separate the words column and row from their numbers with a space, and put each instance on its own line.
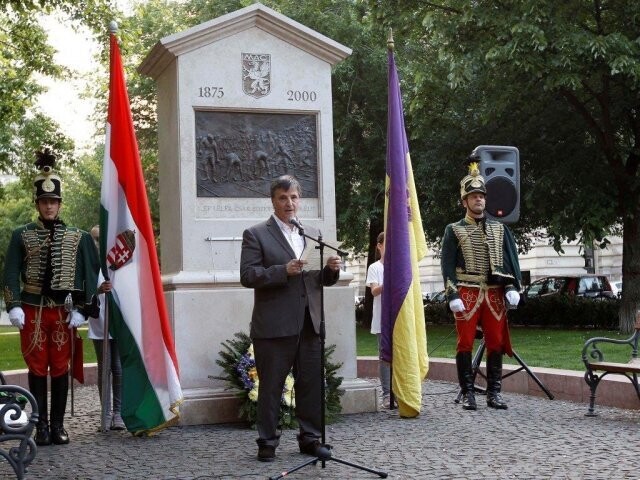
column 325, row 458
column 475, row 365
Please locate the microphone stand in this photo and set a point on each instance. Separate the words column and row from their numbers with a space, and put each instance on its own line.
column 324, row 458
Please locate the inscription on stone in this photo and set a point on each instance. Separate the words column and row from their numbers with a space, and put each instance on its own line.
column 239, row 153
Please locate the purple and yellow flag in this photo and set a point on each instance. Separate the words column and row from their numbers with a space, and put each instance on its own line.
column 404, row 337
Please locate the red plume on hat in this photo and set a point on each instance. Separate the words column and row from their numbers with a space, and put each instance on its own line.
column 47, row 184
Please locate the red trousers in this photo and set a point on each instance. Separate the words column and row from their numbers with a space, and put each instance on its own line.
column 46, row 344
column 485, row 308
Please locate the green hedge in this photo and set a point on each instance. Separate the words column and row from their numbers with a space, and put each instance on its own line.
column 549, row 311
column 567, row 311
column 437, row 314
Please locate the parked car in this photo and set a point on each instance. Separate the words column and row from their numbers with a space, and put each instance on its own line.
column 438, row 297
column 617, row 288
column 591, row 286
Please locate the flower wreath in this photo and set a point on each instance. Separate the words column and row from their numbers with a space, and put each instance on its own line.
column 239, row 367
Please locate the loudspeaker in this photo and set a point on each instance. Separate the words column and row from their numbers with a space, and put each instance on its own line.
column 500, row 167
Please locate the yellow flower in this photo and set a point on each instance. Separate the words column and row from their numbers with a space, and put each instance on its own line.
column 289, row 381
column 288, row 395
column 253, row 394
column 253, row 374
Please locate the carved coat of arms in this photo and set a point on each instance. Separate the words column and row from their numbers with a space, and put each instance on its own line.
column 256, row 74
column 122, row 251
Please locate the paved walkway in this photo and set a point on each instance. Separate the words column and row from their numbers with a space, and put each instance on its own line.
column 535, row 438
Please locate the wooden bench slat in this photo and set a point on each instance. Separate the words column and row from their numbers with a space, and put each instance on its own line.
column 631, row 367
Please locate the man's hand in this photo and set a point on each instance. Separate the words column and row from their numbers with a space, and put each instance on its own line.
column 513, row 298
column 294, row 267
column 105, row 287
column 75, row 319
column 334, row 263
column 16, row 317
column 456, row 305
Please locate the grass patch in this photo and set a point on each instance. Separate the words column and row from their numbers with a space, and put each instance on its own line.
column 11, row 356
column 537, row 347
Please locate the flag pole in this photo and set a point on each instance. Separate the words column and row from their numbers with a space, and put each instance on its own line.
column 403, row 341
column 138, row 317
column 392, row 397
column 106, row 363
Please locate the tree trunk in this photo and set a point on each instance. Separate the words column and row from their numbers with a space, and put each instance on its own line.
column 630, row 269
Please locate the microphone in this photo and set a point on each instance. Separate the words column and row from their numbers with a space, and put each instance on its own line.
column 296, row 224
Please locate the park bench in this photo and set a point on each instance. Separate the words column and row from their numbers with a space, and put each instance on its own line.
column 598, row 368
column 16, row 445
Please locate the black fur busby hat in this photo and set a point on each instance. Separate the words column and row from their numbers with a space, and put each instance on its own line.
column 46, row 184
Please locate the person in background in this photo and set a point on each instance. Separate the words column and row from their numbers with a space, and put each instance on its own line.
column 285, row 324
column 480, row 270
column 96, row 334
column 375, row 278
column 50, row 280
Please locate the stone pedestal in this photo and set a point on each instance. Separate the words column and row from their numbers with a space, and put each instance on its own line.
column 242, row 99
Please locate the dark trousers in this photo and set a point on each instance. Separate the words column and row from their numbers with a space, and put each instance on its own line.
column 275, row 357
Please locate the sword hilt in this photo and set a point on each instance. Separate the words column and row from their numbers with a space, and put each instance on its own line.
column 68, row 303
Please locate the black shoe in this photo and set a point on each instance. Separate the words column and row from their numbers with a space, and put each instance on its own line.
column 494, row 400
column 59, row 435
column 43, row 435
column 316, row 449
column 469, row 401
column 266, row 453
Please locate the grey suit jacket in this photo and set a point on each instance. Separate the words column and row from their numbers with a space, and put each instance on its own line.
column 279, row 300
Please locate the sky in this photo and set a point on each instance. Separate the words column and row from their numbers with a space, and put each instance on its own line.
column 63, row 101
column 67, row 101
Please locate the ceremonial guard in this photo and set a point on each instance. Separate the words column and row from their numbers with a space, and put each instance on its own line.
column 480, row 270
column 50, row 278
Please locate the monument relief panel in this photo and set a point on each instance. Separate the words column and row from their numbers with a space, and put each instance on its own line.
column 239, row 153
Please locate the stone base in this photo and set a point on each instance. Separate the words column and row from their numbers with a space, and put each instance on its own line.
column 209, row 405
column 217, row 405
column 359, row 396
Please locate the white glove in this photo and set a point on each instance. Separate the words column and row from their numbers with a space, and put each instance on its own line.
column 513, row 298
column 75, row 319
column 16, row 317
column 456, row 305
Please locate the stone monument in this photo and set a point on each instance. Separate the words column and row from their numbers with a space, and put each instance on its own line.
column 242, row 99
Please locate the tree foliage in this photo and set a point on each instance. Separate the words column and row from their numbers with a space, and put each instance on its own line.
column 26, row 54
column 557, row 79
column 15, row 209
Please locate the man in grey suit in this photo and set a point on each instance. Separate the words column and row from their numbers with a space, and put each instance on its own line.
column 285, row 325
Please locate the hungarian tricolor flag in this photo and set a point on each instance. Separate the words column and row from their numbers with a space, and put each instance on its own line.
column 403, row 336
column 137, row 313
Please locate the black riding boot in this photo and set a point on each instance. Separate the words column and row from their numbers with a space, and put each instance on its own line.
column 38, row 388
column 59, row 387
column 465, row 377
column 494, row 381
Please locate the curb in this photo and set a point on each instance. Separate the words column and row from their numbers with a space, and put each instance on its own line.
column 569, row 385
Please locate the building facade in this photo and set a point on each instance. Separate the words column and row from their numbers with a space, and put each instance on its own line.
column 541, row 261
